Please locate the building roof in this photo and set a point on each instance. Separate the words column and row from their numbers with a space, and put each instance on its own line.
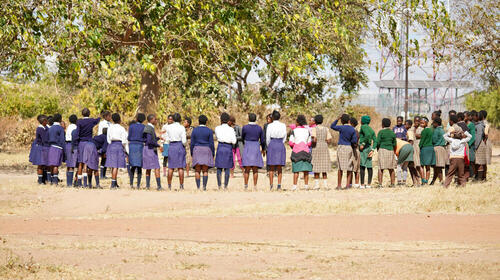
column 416, row 84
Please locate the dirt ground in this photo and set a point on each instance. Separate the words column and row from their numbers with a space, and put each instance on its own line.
column 49, row 232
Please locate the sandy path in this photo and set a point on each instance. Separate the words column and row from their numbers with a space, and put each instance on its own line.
column 387, row 228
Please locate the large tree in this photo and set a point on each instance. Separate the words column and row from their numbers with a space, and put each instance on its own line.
column 299, row 49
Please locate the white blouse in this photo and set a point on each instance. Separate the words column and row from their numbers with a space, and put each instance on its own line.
column 69, row 130
column 276, row 129
column 224, row 133
column 175, row 133
column 116, row 132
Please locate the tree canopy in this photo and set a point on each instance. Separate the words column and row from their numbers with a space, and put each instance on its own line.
column 300, row 50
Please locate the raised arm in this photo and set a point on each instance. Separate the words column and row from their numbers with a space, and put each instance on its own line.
column 334, row 125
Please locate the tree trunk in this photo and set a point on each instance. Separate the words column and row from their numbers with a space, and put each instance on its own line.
column 150, row 93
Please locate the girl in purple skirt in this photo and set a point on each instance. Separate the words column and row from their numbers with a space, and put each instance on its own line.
column 176, row 138
column 276, row 153
column 115, row 152
column 202, row 151
column 150, row 159
column 37, row 155
column 57, row 139
column 253, row 137
column 71, row 149
column 91, row 156
column 224, row 157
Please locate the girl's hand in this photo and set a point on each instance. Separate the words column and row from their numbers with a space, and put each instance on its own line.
column 370, row 154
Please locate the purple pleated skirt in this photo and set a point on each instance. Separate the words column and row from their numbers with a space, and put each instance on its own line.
column 252, row 155
column 135, row 151
column 91, row 156
column 38, row 154
column 224, row 156
column 55, row 156
column 71, row 156
column 149, row 158
column 276, row 152
column 81, row 148
column 202, row 155
column 176, row 155
column 115, row 155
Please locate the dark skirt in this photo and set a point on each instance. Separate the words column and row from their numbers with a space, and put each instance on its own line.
column 176, row 155
column 71, row 155
column 301, row 166
column 81, row 148
column 37, row 155
column 55, row 156
column 366, row 161
column 115, row 155
column 135, row 154
column 427, row 156
column 202, row 155
column 405, row 154
column 252, row 155
column 224, row 156
column 150, row 158
column 91, row 156
column 276, row 152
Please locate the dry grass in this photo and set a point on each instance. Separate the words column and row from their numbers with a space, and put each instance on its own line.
column 124, row 259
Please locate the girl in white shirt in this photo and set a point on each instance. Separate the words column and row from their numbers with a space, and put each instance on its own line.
column 115, row 154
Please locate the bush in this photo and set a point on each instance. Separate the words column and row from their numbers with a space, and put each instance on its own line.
column 28, row 100
column 488, row 100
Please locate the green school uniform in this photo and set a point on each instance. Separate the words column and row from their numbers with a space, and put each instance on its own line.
column 437, row 137
column 427, row 154
column 386, row 139
column 472, row 131
column 366, row 139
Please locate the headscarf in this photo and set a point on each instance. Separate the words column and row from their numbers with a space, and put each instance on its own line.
column 365, row 120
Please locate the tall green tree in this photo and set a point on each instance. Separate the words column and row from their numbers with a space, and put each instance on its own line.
column 294, row 46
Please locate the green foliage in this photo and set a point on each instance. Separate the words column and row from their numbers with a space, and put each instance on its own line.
column 29, row 100
column 488, row 100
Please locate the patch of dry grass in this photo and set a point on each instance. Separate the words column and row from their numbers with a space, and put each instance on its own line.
column 145, row 258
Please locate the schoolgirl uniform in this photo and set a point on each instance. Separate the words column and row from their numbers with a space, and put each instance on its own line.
column 347, row 138
column 176, row 138
column 439, row 146
column 136, row 144
column 385, row 143
column 300, row 141
column 275, row 139
column 427, row 153
column 91, row 155
column 71, row 154
column 37, row 155
column 57, row 141
column 253, row 138
column 227, row 138
column 85, row 127
column 115, row 152
column 202, row 146
column 150, row 149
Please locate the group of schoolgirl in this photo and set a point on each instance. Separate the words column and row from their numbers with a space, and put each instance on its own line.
column 462, row 151
column 55, row 143
column 411, row 145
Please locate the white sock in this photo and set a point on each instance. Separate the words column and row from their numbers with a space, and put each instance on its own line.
column 306, row 186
